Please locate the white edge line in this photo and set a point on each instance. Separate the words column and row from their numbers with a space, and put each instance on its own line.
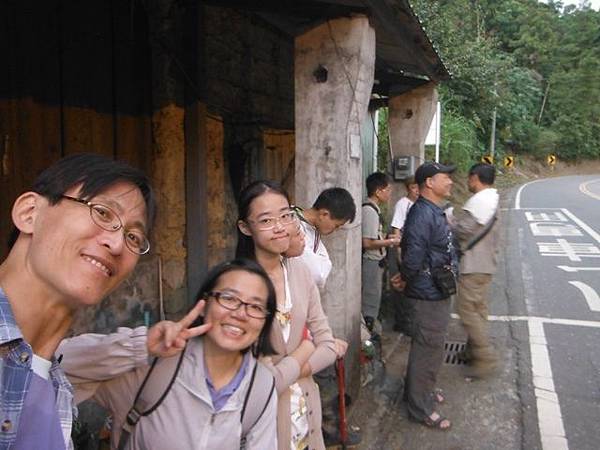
column 582, row 224
column 550, row 423
column 571, row 322
column 518, row 196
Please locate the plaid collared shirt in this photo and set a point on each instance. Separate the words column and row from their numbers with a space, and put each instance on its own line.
column 15, row 378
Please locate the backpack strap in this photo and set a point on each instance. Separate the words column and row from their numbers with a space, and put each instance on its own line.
column 380, row 221
column 258, row 396
column 151, row 393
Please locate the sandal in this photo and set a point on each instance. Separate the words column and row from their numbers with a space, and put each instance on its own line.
column 440, row 423
column 438, row 396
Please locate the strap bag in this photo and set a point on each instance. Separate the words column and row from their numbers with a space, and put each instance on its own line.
column 473, row 242
column 154, row 389
column 444, row 280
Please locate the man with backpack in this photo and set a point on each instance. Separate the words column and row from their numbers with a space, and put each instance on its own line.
column 374, row 245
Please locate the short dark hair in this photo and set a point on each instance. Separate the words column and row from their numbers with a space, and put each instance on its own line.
column 377, row 180
column 485, row 172
column 410, row 180
column 245, row 244
column 339, row 202
column 263, row 345
column 94, row 173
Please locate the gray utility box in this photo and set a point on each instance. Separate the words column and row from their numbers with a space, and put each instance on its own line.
column 404, row 167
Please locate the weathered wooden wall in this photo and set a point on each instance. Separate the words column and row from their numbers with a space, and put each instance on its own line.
column 74, row 79
column 250, row 97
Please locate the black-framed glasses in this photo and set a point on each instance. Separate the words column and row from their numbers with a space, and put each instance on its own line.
column 233, row 303
column 109, row 220
column 268, row 223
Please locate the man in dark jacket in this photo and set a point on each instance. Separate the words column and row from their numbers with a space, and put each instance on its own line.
column 426, row 248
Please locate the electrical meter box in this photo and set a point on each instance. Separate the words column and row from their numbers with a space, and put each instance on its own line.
column 404, row 167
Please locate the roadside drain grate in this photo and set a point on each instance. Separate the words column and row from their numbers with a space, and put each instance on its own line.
column 452, row 350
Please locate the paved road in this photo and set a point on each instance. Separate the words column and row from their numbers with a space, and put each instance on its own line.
column 546, row 325
column 556, row 226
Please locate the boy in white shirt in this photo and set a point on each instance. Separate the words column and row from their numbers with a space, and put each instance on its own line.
column 333, row 208
column 402, row 306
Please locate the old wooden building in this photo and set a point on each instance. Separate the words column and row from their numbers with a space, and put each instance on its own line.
column 207, row 96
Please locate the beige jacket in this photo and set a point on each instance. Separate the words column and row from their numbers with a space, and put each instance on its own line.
column 482, row 257
column 306, row 309
column 110, row 368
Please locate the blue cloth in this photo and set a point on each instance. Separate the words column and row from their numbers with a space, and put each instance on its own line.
column 39, row 426
column 220, row 397
column 15, row 381
column 427, row 243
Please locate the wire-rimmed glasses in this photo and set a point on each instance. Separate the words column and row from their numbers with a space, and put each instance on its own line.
column 268, row 223
column 107, row 219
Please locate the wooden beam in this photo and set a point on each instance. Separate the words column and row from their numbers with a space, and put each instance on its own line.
column 195, row 152
column 306, row 9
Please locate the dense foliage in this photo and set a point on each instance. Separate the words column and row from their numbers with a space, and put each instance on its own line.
column 536, row 64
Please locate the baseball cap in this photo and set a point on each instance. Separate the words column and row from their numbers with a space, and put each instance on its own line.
column 429, row 169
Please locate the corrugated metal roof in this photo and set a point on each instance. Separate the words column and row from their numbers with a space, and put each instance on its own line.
column 405, row 56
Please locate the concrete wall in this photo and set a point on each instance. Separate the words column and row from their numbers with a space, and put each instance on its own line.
column 328, row 153
column 249, row 70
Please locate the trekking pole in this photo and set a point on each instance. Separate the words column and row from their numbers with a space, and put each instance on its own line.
column 341, row 376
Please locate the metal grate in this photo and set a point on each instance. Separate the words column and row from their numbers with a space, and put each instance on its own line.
column 452, row 351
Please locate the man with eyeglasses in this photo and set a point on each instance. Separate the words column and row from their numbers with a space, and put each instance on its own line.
column 78, row 233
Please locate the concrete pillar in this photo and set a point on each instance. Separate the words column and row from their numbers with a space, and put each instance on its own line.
column 410, row 115
column 334, row 69
column 409, row 119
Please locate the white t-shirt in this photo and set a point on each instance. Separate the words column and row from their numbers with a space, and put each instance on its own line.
column 41, row 366
column 317, row 259
column 483, row 205
column 400, row 212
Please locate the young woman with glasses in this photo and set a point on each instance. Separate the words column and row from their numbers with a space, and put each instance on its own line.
column 221, row 337
column 265, row 224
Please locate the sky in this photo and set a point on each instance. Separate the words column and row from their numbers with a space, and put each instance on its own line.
column 595, row 3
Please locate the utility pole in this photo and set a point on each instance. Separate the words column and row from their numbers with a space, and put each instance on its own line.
column 544, row 102
column 438, row 124
column 493, row 135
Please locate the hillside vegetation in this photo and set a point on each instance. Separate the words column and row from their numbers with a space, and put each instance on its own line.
column 536, row 65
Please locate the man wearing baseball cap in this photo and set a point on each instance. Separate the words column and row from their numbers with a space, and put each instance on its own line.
column 428, row 267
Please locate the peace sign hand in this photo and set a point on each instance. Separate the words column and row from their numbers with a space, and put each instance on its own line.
column 167, row 338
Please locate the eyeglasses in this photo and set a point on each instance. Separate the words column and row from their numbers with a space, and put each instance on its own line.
column 268, row 223
column 233, row 303
column 108, row 220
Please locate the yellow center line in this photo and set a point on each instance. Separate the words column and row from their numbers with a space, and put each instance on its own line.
column 583, row 187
